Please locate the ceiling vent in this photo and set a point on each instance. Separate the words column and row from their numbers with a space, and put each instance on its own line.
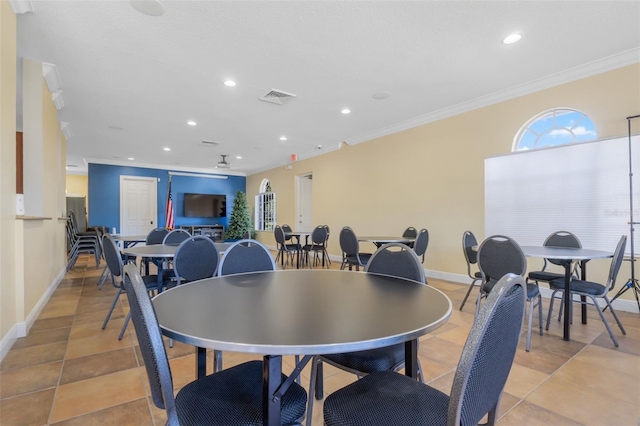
column 223, row 164
column 277, row 97
column 210, row 144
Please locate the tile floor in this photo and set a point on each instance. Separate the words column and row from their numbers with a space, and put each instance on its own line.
column 68, row 371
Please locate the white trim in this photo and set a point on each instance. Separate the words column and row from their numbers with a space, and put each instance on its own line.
column 198, row 175
column 7, row 341
column 21, row 329
column 596, row 67
column 127, row 163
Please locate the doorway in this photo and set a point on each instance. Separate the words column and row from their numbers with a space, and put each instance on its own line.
column 305, row 202
column 138, row 205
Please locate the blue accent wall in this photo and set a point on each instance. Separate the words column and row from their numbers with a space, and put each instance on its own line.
column 104, row 194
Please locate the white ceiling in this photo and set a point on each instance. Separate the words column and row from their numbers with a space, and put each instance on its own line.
column 149, row 75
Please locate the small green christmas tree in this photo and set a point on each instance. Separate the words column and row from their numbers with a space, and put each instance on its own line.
column 240, row 220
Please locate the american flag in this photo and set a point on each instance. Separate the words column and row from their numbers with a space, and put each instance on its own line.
column 169, row 211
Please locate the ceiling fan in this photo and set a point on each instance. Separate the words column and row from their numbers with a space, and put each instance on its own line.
column 223, row 164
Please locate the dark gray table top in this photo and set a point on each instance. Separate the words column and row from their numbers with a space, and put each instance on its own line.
column 163, row 250
column 300, row 312
column 376, row 239
column 130, row 238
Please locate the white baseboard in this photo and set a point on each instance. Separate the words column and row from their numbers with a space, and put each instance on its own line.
column 21, row 329
column 7, row 341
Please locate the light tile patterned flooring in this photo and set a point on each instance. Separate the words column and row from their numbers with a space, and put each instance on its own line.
column 68, row 371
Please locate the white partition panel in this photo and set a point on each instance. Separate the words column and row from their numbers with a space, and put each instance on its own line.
column 581, row 188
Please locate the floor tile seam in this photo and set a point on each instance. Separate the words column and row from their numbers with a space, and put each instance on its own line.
column 27, row 393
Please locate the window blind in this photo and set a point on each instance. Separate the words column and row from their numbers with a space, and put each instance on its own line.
column 582, row 188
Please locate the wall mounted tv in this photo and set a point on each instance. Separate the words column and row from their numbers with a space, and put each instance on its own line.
column 205, row 205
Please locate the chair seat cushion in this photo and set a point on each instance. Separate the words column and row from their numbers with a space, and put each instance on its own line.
column 364, row 259
column 579, row 286
column 544, row 276
column 379, row 359
column 234, row 397
column 532, row 291
column 398, row 399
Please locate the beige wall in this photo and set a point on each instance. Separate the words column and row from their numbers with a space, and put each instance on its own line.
column 77, row 185
column 32, row 251
column 7, row 167
column 432, row 176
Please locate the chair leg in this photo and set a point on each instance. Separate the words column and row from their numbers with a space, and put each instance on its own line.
column 124, row 326
column 478, row 300
column 473, row 283
column 217, row 361
column 553, row 296
column 604, row 320
column 529, row 323
column 113, row 305
column 540, row 313
column 615, row 316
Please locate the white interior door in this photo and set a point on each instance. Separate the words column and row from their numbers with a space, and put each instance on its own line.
column 305, row 203
column 138, row 205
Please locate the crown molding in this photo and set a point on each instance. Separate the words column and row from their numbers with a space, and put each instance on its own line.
column 21, row 6
column 50, row 74
column 620, row 60
column 66, row 129
column 167, row 167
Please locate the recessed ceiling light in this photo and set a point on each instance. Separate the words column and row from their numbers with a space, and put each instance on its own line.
column 346, row 111
column 131, row 158
column 191, row 123
column 167, row 149
column 239, row 157
column 230, row 83
column 283, row 138
column 512, row 38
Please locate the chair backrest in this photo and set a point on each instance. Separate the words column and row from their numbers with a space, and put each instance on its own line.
column 319, row 235
column 561, row 239
column 349, row 242
column 618, row 256
column 499, row 255
column 396, row 260
column 421, row 243
column 156, row 236
column 286, row 228
column 112, row 255
column 176, row 236
column 410, row 232
column 99, row 233
column 149, row 337
column 196, row 258
column 278, row 234
column 74, row 221
column 469, row 241
column 488, row 353
column 246, row 256
column 246, row 235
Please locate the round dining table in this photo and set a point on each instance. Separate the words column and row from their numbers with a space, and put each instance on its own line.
column 570, row 255
column 380, row 241
column 299, row 312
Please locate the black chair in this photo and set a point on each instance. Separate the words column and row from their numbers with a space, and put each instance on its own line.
column 351, row 250
column 594, row 290
column 557, row 239
column 196, row 258
column 421, row 243
column 245, row 256
column 319, row 238
column 387, row 398
column 80, row 242
column 114, row 261
column 156, row 236
column 286, row 251
column 497, row 256
column 410, row 232
column 470, row 250
column 175, row 237
column 393, row 259
column 286, row 228
column 232, row 396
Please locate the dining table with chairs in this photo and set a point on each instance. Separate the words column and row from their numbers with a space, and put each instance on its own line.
column 299, row 312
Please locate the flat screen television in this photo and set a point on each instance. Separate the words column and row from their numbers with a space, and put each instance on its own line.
column 205, row 205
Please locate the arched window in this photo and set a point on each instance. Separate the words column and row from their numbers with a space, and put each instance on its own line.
column 558, row 126
column 265, row 210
